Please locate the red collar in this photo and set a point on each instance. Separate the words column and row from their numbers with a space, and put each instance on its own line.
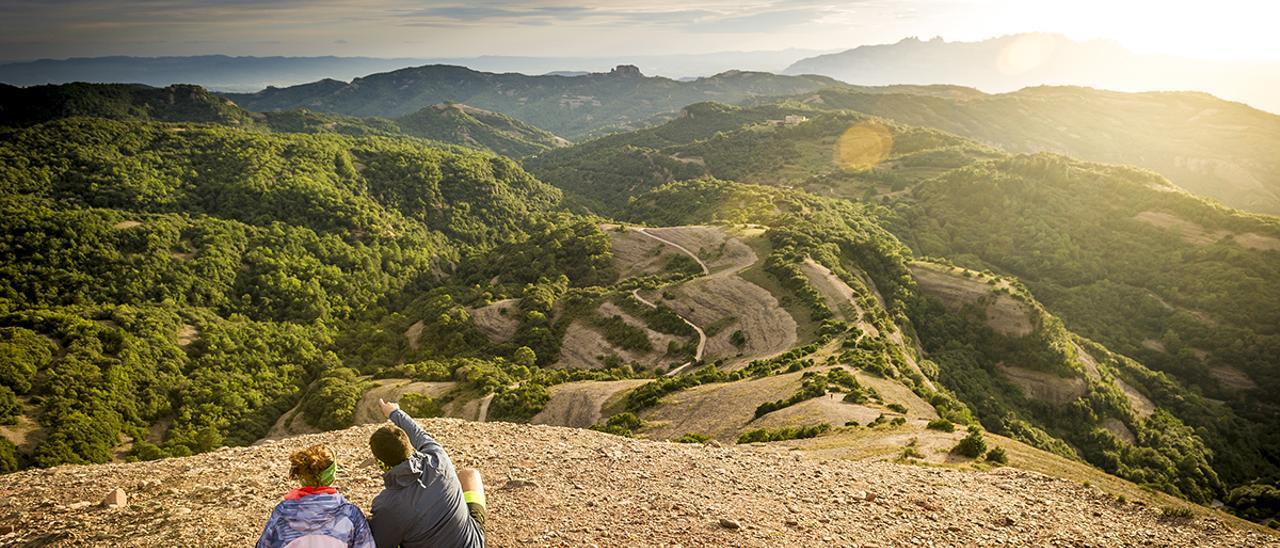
column 309, row 490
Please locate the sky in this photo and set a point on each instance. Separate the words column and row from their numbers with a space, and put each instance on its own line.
column 29, row 29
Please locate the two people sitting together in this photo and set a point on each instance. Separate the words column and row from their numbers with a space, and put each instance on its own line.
column 424, row 501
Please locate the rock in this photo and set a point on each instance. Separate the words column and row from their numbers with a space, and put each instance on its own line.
column 517, row 483
column 116, row 499
column 730, row 524
column 80, row 505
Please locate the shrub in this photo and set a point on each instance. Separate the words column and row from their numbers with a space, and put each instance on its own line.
column 973, row 445
column 519, row 404
column 1176, row 512
column 9, row 406
column 851, row 423
column 942, row 425
column 8, row 456
column 898, row 407
column 331, row 404
column 784, row 433
column 621, row 424
column 911, row 451
column 997, row 455
column 693, row 437
column 898, row 421
column 420, row 406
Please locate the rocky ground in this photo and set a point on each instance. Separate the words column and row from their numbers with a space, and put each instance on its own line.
column 561, row 486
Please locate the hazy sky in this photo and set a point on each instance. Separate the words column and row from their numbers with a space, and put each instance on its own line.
column 1222, row 29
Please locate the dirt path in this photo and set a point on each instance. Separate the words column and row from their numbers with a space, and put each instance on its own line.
column 484, row 408
column 705, row 270
column 702, row 336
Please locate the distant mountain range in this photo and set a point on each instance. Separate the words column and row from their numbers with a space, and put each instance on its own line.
column 451, row 123
column 243, row 74
column 571, row 106
column 1016, row 61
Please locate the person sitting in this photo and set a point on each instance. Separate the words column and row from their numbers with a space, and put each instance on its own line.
column 424, row 501
column 315, row 515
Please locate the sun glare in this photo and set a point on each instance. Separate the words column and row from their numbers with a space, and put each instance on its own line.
column 863, row 146
column 1225, row 29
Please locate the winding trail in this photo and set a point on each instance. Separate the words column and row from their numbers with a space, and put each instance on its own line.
column 705, row 271
column 483, row 415
column 702, row 336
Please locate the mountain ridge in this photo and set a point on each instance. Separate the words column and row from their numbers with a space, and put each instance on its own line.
column 1015, row 61
column 543, row 101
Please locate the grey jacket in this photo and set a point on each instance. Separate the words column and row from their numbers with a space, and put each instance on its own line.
column 421, row 501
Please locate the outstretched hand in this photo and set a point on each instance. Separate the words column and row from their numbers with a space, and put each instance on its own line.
column 387, row 408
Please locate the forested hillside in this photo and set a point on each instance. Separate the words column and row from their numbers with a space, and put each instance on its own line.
column 477, row 128
column 171, row 288
column 1214, row 148
column 178, row 103
column 573, row 107
column 451, row 123
column 828, row 153
column 1123, row 256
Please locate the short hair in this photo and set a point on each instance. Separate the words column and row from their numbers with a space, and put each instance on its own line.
column 307, row 464
column 389, row 445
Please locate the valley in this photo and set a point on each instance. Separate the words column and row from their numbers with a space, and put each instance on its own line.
column 808, row 273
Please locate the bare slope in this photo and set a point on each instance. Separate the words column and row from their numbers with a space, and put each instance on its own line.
column 582, row 487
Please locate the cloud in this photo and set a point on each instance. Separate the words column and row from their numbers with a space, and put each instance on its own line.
column 716, row 16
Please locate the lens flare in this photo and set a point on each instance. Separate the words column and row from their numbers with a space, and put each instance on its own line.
column 1026, row 53
column 863, row 146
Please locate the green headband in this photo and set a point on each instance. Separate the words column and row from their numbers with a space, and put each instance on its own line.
column 327, row 475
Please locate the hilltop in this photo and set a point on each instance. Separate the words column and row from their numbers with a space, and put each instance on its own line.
column 548, row 485
column 1215, row 148
column 473, row 127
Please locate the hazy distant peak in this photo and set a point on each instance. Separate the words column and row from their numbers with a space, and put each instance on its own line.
column 627, row 71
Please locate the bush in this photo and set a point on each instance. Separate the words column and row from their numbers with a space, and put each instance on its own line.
column 784, row 433
column 942, row 425
column 898, row 407
column 420, row 406
column 1257, row 501
column 1177, row 512
column 911, row 451
column 898, row 421
column 997, row 455
column 693, row 437
column 622, row 424
column 9, row 406
column 331, row 403
column 8, row 457
column 519, row 404
column 973, row 445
